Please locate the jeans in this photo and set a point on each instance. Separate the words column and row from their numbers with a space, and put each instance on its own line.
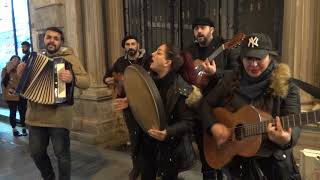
column 39, row 141
column 21, row 105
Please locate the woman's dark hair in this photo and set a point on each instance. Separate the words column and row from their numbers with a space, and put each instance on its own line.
column 172, row 53
column 15, row 56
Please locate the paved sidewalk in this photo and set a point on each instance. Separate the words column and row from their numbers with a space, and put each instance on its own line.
column 88, row 162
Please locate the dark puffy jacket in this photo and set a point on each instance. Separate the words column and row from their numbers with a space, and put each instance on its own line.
column 280, row 164
column 175, row 154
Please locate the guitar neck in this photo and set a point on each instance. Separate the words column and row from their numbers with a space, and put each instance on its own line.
column 289, row 121
column 216, row 53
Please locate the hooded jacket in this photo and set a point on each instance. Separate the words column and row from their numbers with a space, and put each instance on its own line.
column 58, row 116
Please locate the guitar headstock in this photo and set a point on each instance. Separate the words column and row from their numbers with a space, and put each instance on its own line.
column 236, row 40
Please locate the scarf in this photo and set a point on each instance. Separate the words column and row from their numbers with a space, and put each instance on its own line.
column 252, row 87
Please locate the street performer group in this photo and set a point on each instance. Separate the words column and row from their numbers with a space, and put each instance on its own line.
column 227, row 96
column 230, row 102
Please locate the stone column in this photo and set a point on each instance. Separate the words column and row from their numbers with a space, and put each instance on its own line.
column 301, row 41
column 94, row 121
column 114, row 28
column 73, row 28
column 44, row 14
column 95, row 49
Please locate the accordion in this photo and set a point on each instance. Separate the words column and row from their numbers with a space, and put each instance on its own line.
column 40, row 83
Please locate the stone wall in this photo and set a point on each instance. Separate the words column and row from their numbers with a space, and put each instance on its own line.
column 301, row 41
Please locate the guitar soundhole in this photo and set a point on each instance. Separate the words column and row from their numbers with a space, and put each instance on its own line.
column 238, row 132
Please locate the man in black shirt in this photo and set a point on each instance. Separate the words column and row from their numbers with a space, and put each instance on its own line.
column 133, row 55
column 25, row 50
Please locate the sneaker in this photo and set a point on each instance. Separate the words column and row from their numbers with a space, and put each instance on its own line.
column 16, row 133
column 24, row 132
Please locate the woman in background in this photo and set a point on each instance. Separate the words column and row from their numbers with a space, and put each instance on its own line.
column 9, row 84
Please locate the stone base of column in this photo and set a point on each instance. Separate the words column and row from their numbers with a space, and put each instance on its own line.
column 95, row 93
column 95, row 122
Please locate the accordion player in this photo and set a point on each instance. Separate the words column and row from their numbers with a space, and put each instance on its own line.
column 40, row 83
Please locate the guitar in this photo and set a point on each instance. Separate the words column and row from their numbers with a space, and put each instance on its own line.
column 247, row 126
column 201, row 77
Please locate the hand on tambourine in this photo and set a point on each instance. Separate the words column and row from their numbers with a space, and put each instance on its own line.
column 65, row 76
column 277, row 134
column 209, row 68
column 220, row 132
column 109, row 81
column 120, row 104
column 157, row 134
column 21, row 68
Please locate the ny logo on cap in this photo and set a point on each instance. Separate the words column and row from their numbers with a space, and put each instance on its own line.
column 253, row 41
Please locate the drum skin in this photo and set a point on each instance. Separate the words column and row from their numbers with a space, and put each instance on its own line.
column 144, row 98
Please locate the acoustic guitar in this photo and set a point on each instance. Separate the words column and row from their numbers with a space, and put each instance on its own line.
column 247, row 126
column 201, row 76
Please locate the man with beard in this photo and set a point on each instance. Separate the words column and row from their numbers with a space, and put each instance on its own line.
column 53, row 122
column 206, row 42
column 133, row 55
column 25, row 45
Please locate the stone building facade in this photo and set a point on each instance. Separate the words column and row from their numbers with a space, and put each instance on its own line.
column 94, row 29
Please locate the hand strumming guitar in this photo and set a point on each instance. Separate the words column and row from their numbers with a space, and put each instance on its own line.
column 277, row 134
column 220, row 133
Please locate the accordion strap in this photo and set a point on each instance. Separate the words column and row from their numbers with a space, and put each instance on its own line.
column 70, row 86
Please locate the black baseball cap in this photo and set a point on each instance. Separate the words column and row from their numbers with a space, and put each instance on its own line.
column 205, row 21
column 257, row 45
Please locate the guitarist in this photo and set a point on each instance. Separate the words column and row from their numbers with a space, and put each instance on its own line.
column 206, row 42
column 133, row 55
column 265, row 84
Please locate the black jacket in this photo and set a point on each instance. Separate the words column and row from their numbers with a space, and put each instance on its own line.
column 119, row 67
column 123, row 62
column 25, row 57
column 176, row 153
column 280, row 164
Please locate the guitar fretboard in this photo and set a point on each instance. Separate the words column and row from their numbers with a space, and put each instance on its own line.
column 289, row 121
column 216, row 53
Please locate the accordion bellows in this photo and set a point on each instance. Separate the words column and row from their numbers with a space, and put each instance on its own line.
column 40, row 83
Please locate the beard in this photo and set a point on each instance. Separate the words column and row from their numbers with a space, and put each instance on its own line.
column 132, row 52
column 25, row 51
column 51, row 48
column 202, row 39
